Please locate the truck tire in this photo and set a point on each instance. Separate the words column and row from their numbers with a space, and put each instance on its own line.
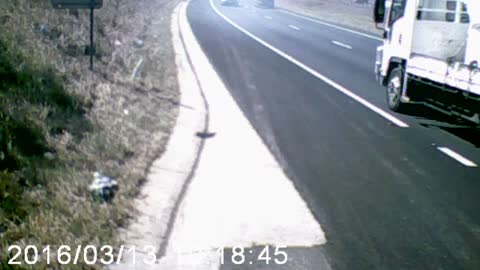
column 394, row 90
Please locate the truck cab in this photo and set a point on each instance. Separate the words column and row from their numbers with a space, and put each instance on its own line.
column 430, row 54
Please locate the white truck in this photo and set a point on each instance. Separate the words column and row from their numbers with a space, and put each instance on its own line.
column 430, row 54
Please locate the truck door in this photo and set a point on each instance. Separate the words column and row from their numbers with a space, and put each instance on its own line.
column 393, row 30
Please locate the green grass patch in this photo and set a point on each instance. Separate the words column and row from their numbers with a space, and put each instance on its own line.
column 33, row 106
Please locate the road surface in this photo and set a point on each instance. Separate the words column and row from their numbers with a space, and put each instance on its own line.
column 390, row 191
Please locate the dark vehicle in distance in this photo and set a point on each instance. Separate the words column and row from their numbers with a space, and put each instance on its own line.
column 266, row 3
column 230, row 3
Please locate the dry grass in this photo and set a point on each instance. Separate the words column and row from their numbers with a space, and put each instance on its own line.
column 344, row 13
column 121, row 125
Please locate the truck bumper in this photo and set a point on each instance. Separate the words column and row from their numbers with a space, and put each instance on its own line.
column 378, row 66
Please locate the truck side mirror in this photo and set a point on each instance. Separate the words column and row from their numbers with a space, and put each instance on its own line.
column 379, row 11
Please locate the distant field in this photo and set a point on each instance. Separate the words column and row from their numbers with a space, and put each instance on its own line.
column 348, row 14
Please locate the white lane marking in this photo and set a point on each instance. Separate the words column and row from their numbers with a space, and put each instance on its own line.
column 268, row 17
column 293, row 27
column 310, row 70
column 332, row 25
column 338, row 43
column 449, row 152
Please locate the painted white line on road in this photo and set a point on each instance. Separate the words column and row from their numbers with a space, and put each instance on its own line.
column 268, row 17
column 338, row 43
column 331, row 25
column 293, row 27
column 310, row 70
column 447, row 151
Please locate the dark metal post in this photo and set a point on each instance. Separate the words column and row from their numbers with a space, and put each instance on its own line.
column 82, row 4
column 91, row 39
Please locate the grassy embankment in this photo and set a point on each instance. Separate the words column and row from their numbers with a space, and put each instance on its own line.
column 59, row 123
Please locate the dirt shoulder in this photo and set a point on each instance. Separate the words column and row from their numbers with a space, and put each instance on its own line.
column 60, row 123
column 352, row 15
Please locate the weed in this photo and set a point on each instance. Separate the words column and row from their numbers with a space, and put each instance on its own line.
column 59, row 122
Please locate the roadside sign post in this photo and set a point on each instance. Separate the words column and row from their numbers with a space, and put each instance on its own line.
column 92, row 50
column 82, row 4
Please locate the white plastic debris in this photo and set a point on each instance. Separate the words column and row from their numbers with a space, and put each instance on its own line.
column 44, row 29
column 49, row 155
column 138, row 43
column 103, row 187
column 136, row 69
column 118, row 43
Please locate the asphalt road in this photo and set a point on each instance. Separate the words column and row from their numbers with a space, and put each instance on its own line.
column 385, row 195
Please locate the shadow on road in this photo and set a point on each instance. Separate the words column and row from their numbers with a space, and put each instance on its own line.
column 460, row 128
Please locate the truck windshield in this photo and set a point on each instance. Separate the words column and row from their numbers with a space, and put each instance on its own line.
column 398, row 10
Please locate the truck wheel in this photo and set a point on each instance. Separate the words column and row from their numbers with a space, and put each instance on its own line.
column 394, row 90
